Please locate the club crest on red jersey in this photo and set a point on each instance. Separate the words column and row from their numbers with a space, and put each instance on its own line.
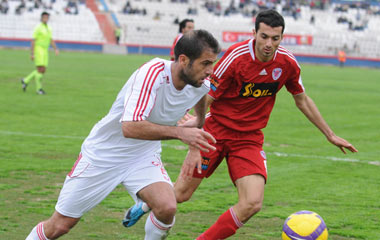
column 263, row 154
column 276, row 73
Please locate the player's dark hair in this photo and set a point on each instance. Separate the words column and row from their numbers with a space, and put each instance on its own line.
column 193, row 43
column 45, row 13
column 183, row 23
column 271, row 18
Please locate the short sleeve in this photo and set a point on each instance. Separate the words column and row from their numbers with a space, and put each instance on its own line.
column 141, row 92
column 294, row 84
column 222, row 77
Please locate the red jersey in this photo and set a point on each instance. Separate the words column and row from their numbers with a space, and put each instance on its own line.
column 244, row 89
column 174, row 43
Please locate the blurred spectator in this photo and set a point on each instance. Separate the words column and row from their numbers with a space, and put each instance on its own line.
column 20, row 8
column 4, row 6
column 157, row 16
column 341, row 57
column 312, row 20
column 117, row 34
column 37, row 4
column 218, row 8
column 192, row 11
column 72, row 7
column 127, row 9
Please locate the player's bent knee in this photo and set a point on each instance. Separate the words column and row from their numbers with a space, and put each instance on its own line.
column 166, row 210
column 170, row 209
column 254, row 207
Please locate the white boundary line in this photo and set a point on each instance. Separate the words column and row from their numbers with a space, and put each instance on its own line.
column 182, row 147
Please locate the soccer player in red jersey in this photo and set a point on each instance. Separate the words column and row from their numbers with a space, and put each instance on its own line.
column 185, row 26
column 243, row 91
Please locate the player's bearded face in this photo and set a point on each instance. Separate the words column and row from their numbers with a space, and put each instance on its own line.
column 267, row 41
column 196, row 71
column 188, row 75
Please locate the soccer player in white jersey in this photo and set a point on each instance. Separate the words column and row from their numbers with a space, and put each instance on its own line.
column 124, row 146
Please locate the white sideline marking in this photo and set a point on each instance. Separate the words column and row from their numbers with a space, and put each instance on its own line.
column 182, row 147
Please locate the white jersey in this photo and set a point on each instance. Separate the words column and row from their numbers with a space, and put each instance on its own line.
column 150, row 95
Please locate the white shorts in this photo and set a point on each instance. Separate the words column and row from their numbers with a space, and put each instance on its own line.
column 87, row 185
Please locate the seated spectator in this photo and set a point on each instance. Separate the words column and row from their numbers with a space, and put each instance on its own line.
column 37, row 4
column 72, row 7
column 312, row 19
column 192, row 11
column 127, row 8
column 4, row 6
column 20, row 8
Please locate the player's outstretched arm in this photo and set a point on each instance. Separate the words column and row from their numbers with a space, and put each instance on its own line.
column 146, row 130
column 310, row 110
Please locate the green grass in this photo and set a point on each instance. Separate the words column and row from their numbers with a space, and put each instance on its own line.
column 40, row 137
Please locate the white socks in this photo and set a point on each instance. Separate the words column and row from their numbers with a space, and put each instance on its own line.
column 156, row 230
column 37, row 233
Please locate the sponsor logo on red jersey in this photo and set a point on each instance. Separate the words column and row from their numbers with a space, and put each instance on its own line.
column 214, row 84
column 257, row 90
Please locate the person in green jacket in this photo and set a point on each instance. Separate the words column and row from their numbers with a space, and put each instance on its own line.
column 42, row 38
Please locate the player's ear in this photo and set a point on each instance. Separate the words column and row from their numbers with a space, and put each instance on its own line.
column 183, row 60
column 254, row 33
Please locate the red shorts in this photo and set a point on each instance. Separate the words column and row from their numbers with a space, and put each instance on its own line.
column 244, row 156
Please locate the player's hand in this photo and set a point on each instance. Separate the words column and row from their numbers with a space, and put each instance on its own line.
column 56, row 52
column 342, row 144
column 188, row 121
column 192, row 160
column 196, row 138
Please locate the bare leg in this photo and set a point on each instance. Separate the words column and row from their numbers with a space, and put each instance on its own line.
column 184, row 189
column 161, row 199
column 251, row 196
column 56, row 226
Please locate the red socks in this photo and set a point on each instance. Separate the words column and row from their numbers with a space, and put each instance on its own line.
column 224, row 227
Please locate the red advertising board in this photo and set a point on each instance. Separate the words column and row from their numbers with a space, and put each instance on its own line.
column 289, row 39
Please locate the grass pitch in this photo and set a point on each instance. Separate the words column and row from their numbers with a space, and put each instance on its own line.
column 40, row 138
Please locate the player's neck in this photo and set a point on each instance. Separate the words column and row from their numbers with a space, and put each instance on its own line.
column 178, row 83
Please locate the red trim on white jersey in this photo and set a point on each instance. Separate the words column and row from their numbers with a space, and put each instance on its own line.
column 75, row 164
column 143, row 100
column 244, row 49
column 150, row 90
